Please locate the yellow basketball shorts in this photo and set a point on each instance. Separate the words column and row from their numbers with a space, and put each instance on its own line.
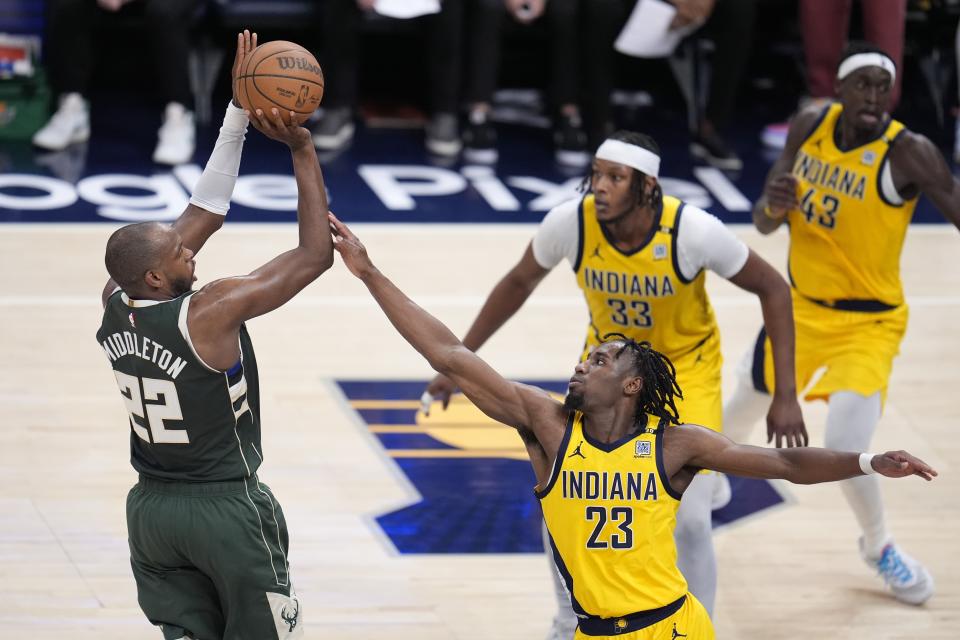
column 689, row 622
column 698, row 374
column 856, row 349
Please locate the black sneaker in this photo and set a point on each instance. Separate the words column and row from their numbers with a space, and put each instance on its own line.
column 334, row 130
column 480, row 140
column 713, row 150
column 443, row 135
column 571, row 142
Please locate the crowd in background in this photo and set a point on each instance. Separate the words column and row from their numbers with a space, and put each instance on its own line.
column 462, row 66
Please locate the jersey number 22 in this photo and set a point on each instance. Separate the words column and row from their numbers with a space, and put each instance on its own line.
column 144, row 408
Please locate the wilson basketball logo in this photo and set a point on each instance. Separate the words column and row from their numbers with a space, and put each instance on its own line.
column 292, row 62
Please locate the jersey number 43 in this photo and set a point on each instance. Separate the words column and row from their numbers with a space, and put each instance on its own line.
column 827, row 216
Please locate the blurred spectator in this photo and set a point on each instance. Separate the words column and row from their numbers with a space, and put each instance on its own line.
column 341, row 49
column 728, row 22
column 484, row 42
column 70, row 59
column 825, row 25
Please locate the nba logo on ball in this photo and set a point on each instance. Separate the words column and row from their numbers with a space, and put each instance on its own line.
column 642, row 450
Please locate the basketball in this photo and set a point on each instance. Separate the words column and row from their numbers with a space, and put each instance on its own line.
column 284, row 75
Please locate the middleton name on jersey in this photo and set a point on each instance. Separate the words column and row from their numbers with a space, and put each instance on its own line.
column 127, row 343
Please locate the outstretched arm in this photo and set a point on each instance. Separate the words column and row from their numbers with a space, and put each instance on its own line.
column 517, row 405
column 219, row 308
column 785, row 419
column 695, row 447
column 505, row 300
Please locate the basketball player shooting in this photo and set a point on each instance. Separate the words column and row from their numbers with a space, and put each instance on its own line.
column 612, row 462
column 208, row 541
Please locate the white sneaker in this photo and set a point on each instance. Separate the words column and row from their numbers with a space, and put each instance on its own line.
column 70, row 124
column 909, row 581
column 176, row 138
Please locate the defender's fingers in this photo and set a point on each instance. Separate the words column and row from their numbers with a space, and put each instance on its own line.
column 426, row 400
column 342, row 228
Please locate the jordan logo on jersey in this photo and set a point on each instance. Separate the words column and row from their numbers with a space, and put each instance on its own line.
column 675, row 634
column 596, row 252
column 577, row 452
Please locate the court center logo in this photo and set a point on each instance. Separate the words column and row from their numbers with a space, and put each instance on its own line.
column 474, row 479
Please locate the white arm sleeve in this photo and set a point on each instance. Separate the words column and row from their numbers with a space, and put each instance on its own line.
column 703, row 242
column 215, row 186
column 558, row 236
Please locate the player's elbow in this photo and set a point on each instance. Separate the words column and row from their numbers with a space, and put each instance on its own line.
column 326, row 261
column 317, row 262
column 447, row 359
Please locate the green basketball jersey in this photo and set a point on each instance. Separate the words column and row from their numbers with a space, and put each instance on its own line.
column 188, row 422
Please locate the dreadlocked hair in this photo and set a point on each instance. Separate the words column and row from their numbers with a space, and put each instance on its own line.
column 660, row 388
column 642, row 140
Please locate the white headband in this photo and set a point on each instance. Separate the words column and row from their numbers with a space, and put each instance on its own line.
column 641, row 159
column 860, row 60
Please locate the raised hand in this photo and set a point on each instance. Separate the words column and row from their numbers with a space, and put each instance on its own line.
column 900, row 464
column 350, row 248
column 272, row 125
column 246, row 42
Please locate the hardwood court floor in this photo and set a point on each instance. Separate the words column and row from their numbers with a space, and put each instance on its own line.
column 64, row 473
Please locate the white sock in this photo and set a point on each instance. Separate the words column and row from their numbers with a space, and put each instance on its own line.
column 746, row 406
column 694, row 538
column 851, row 421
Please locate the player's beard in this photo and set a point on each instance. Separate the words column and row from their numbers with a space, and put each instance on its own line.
column 573, row 401
column 181, row 286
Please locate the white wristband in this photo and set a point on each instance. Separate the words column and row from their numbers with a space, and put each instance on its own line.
column 865, row 465
column 215, row 186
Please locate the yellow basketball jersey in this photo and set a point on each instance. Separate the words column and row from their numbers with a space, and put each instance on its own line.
column 610, row 513
column 642, row 293
column 846, row 237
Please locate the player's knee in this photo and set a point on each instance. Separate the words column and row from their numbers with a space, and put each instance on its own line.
column 693, row 528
